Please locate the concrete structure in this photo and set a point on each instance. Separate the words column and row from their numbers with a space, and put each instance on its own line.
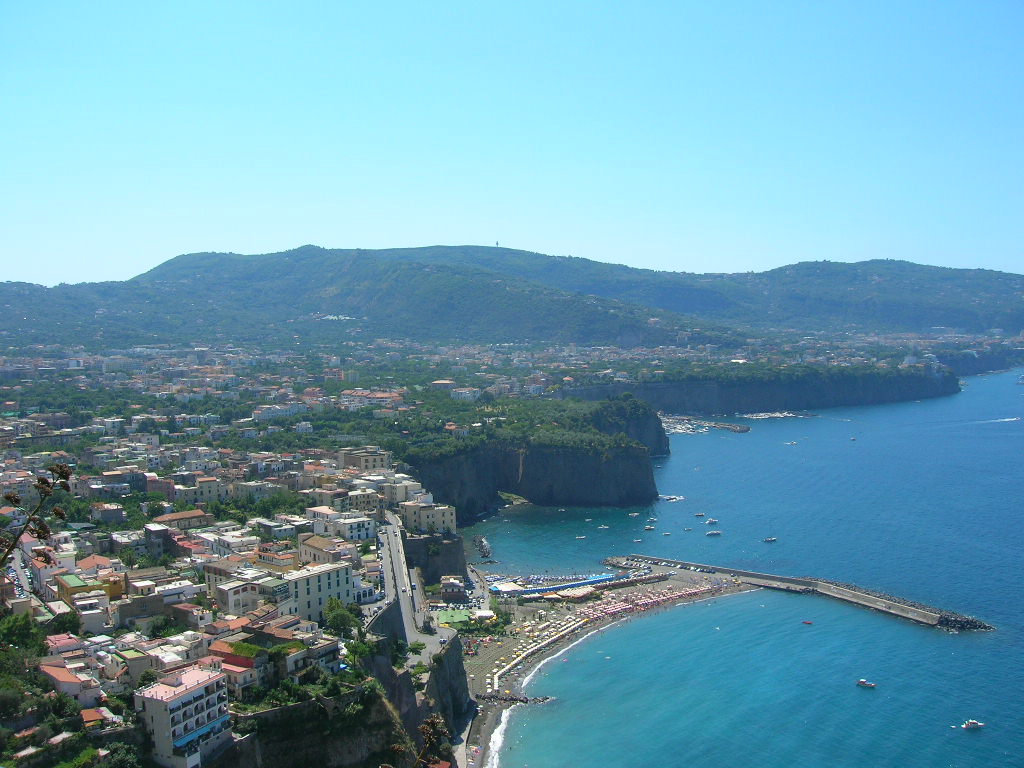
column 186, row 715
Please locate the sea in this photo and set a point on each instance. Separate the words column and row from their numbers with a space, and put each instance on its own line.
column 923, row 499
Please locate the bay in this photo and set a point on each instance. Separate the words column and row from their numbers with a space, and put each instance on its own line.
column 923, row 500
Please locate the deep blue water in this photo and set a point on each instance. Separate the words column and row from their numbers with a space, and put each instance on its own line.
column 927, row 502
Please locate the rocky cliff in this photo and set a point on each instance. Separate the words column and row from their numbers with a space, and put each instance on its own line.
column 544, row 474
column 781, row 393
column 357, row 730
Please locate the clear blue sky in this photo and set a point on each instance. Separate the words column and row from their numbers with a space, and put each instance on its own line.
column 697, row 136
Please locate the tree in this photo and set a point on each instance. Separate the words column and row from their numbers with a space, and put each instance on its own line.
column 148, row 677
column 35, row 522
column 341, row 620
column 123, row 756
column 69, row 622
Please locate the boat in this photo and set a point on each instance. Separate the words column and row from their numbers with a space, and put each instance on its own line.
column 698, row 514
column 769, row 539
column 666, row 533
column 587, row 519
column 687, row 529
column 634, row 514
column 637, row 541
column 865, row 683
column 581, row 537
column 808, row 622
column 602, row 526
column 561, row 510
column 972, row 724
column 710, row 521
column 791, row 442
column 648, row 527
column 713, row 533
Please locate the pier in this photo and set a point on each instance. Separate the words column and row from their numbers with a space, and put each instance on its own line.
column 849, row 593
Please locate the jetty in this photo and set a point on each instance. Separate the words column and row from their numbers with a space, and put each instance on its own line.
column 850, row 593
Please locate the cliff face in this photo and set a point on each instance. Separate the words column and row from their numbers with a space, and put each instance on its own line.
column 728, row 397
column 636, row 420
column 547, row 475
column 348, row 731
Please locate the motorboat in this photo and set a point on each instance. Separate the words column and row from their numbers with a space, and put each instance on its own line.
column 769, row 539
column 602, row 526
column 634, row 514
column 865, row 683
column 687, row 529
column 710, row 521
column 972, row 724
column 698, row 514
column 637, row 541
column 648, row 527
column 713, row 533
column 581, row 537
column 667, row 533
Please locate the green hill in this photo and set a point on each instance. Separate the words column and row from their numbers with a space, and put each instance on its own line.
column 482, row 294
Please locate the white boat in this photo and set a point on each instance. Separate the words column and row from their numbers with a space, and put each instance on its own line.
column 648, row 527
column 710, row 521
column 637, row 541
column 666, row 533
column 865, row 683
column 581, row 537
column 634, row 514
column 713, row 533
column 972, row 724
column 769, row 539
column 602, row 526
column 698, row 514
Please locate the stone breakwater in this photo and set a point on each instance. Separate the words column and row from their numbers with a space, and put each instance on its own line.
column 850, row 593
column 947, row 619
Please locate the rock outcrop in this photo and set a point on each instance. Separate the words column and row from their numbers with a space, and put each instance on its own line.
column 716, row 396
column 545, row 475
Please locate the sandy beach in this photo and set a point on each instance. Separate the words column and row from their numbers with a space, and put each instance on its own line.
column 499, row 666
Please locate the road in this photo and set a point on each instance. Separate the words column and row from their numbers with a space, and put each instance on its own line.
column 399, row 581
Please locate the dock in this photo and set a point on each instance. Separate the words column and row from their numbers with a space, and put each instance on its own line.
column 849, row 593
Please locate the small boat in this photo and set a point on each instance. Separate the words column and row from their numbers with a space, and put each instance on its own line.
column 972, row 724
column 637, row 541
column 713, row 533
column 865, row 683
column 602, row 526
column 587, row 519
column 634, row 514
column 808, row 622
column 791, row 442
column 581, row 537
column 687, row 529
column 710, row 521
column 769, row 539
column 561, row 510
column 666, row 533
column 648, row 527
column 698, row 514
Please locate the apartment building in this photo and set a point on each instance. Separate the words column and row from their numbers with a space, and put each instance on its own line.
column 419, row 517
column 186, row 715
column 310, row 588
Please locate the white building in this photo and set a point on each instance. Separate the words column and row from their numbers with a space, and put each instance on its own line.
column 310, row 588
column 186, row 714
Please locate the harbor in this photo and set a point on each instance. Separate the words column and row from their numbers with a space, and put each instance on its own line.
column 849, row 593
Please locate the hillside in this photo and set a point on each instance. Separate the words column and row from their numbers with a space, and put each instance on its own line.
column 482, row 294
column 883, row 295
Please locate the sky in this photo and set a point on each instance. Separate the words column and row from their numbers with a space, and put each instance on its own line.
column 686, row 136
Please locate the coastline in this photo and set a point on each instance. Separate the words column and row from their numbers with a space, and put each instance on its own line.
column 485, row 735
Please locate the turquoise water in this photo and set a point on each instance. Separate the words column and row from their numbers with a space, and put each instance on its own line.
column 927, row 502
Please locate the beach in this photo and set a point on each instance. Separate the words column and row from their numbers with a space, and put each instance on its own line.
column 500, row 666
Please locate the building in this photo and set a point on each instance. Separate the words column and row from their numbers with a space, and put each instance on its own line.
column 419, row 517
column 183, row 521
column 310, row 588
column 319, row 549
column 366, row 459
column 186, row 715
